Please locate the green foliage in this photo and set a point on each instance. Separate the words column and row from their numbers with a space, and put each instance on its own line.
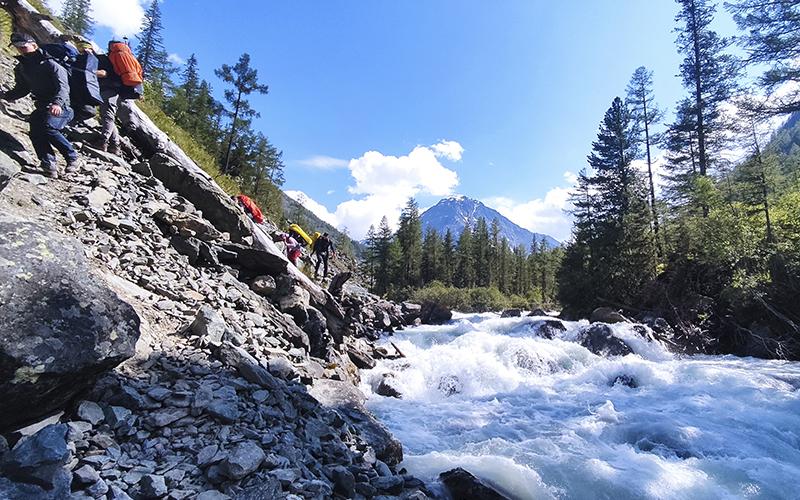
column 481, row 299
column 76, row 16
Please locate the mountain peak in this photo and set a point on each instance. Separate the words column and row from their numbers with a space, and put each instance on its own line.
column 457, row 211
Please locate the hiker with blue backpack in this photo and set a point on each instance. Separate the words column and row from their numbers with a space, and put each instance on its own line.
column 39, row 74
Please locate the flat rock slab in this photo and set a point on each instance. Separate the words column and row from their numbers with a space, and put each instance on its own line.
column 59, row 326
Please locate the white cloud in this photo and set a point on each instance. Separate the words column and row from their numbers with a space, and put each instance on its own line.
column 176, row 59
column 323, row 162
column 330, row 192
column 546, row 215
column 122, row 17
column 383, row 184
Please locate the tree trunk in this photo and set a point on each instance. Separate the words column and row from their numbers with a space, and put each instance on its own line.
column 233, row 133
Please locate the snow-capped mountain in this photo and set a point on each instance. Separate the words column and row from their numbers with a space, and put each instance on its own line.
column 456, row 212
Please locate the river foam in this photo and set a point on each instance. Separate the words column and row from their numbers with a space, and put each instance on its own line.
column 547, row 418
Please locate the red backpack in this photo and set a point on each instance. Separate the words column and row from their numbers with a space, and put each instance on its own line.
column 251, row 207
column 125, row 64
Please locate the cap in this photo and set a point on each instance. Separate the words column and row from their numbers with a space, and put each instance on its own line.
column 20, row 39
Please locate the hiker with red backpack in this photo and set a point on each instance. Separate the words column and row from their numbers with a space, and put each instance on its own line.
column 120, row 76
column 39, row 74
column 250, row 207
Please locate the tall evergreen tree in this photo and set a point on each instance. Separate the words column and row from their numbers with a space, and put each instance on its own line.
column 150, row 50
column 448, row 258
column 243, row 80
column 77, row 17
column 370, row 261
column 772, row 38
column 707, row 72
column 409, row 239
column 682, row 164
column 431, row 268
column 383, row 257
column 480, row 249
column 464, row 274
column 645, row 114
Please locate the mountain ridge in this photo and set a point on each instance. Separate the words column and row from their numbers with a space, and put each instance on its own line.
column 456, row 212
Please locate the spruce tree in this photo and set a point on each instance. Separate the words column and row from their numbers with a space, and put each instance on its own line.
column 448, row 258
column 369, row 261
column 772, row 38
column 431, row 268
column 681, row 158
column 409, row 239
column 243, row 80
column 464, row 274
column 383, row 257
column 77, row 17
column 708, row 73
column 646, row 114
column 150, row 50
column 480, row 249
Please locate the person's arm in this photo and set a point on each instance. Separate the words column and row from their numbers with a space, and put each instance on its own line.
column 20, row 89
column 60, row 83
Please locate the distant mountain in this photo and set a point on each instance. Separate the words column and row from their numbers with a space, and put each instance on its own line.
column 456, row 212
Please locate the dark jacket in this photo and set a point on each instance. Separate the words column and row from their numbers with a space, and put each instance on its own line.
column 42, row 76
column 112, row 80
column 323, row 245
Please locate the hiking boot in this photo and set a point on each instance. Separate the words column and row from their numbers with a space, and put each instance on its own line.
column 50, row 170
column 113, row 149
column 73, row 166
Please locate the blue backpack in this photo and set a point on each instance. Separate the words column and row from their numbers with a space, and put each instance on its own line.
column 64, row 53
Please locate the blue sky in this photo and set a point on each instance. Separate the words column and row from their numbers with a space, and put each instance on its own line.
column 374, row 101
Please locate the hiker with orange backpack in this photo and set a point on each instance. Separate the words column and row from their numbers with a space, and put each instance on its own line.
column 119, row 74
column 249, row 207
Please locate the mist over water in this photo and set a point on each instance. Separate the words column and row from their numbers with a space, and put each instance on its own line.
column 546, row 418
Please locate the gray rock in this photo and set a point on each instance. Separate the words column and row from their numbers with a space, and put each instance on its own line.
column 386, row 387
column 361, row 359
column 344, row 482
column 212, row 495
column 243, row 460
column 389, row 484
column 263, row 285
column 246, row 365
column 163, row 418
column 209, row 325
column 511, row 313
column 98, row 198
column 40, row 459
column 188, row 224
column 118, row 417
column 85, row 475
column 462, row 486
column 434, row 314
column 282, row 368
column 8, row 169
column 607, row 315
column 599, row 339
column 35, row 179
column 317, row 330
column 142, row 168
column 89, row 411
column 61, row 327
column 224, row 406
column 153, row 486
column 295, row 302
column 98, row 489
column 207, row 455
column 159, row 393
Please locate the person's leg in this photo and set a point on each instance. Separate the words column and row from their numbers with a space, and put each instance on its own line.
column 41, row 142
column 325, row 260
column 57, row 139
column 108, row 115
column 316, row 267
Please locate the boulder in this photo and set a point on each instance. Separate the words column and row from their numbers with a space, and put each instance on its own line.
column 8, row 169
column 263, row 285
column 411, row 312
column 61, row 328
column 209, row 325
column 549, row 328
column 599, row 339
column 252, row 261
column 243, row 460
column 538, row 312
column 464, row 486
column 607, row 315
column 348, row 402
column 435, row 314
column 317, row 330
column 295, row 302
column 361, row 359
column 386, row 387
column 40, row 459
column 185, row 223
column 511, row 313
column 153, row 486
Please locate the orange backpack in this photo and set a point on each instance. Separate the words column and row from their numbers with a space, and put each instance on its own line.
column 125, row 64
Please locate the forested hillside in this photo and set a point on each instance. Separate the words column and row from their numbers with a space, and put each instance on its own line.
column 717, row 250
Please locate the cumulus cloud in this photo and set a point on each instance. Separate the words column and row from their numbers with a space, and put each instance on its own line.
column 176, row 59
column 383, row 183
column 546, row 215
column 122, row 17
column 322, row 162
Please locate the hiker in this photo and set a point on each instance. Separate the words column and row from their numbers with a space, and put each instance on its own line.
column 250, row 208
column 39, row 74
column 322, row 247
column 110, row 87
column 296, row 232
column 293, row 248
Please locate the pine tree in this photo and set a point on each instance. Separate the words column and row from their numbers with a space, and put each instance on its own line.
column 480, row 253
column 707, row 72
column 645, row 114
column 370, row 260
column 494, row 252
column 409, row 239
column 464, row 274
column 448, row 258
column 383, row 257
column 772, row 38
column 150, row 50
column 244, row 81
column 682, row 164
column 77, row 17
column 431, row 268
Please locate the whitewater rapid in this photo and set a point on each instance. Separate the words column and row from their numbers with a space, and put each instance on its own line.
column 547, row 418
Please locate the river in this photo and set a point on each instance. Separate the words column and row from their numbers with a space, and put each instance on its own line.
column 546, row 418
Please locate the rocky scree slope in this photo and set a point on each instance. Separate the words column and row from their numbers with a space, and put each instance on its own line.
column 241, row 377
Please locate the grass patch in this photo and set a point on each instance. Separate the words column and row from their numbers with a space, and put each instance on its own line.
column 186, row 142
